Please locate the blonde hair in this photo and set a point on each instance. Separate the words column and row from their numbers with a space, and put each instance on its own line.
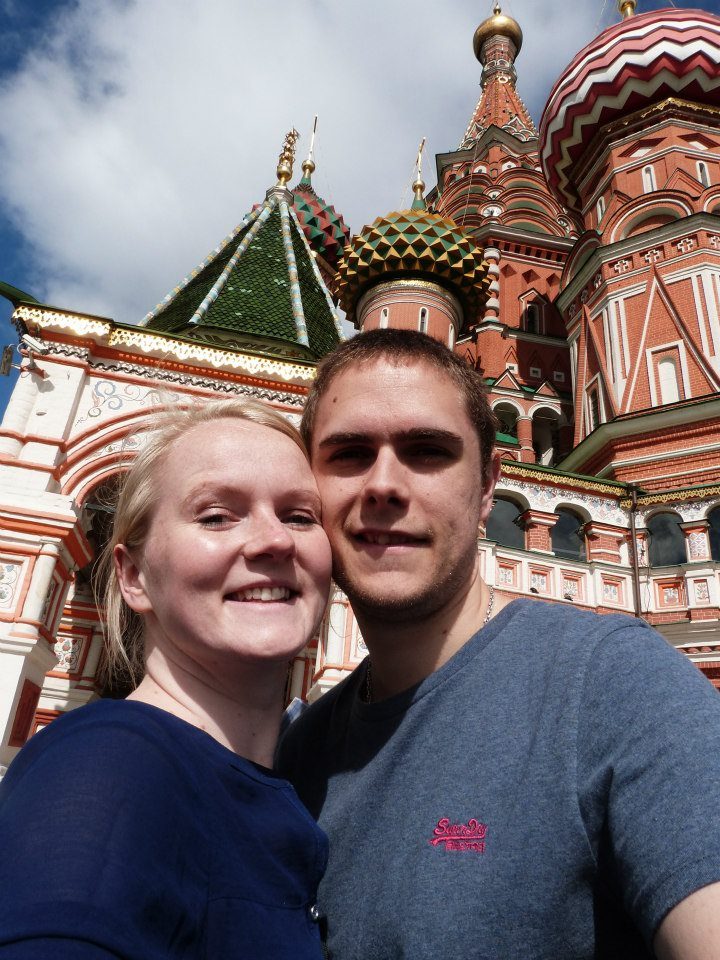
column 139, row 493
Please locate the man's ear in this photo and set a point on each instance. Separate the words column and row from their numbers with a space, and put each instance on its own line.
column 131, row 580
column 486, row 499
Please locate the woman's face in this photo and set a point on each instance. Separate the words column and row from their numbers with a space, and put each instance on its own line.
column 236, row 564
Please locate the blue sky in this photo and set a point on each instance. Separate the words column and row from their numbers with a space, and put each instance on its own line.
column 136, row 133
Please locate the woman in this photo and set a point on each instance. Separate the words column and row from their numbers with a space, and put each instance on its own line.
column 151, row 827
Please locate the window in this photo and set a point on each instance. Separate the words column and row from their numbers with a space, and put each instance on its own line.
column 451, row 337
column 648, row 175
column 384, row 318
column 507, row 417
column 666, row 541
column 600, row 209
column 535, row 372
column 423, row 320
column 568, row 536
column 594, row 405
column 532, row 318
column 502, row 525
column 703, row 173
column 667, row 374
column 546, row 436
column 558, row 376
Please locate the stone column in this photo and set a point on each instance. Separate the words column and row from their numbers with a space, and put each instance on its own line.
column 524, row 433
column 537, row 526
column 604, row 542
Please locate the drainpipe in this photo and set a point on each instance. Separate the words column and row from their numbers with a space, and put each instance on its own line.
column 633, row 549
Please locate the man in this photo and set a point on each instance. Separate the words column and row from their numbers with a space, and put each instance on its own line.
column 497, row 780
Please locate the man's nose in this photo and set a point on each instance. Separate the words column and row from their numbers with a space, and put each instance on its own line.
column 267, row 535
column 386, row 480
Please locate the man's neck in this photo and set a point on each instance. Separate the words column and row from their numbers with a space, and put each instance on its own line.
column 403, row 653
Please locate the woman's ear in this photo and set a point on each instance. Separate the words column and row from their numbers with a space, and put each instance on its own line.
column 131, row 580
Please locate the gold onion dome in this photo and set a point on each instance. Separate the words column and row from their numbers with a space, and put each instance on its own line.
column 497, row 25
column 413, row 243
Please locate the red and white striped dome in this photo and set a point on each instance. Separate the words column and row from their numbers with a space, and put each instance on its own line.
column 639, row 61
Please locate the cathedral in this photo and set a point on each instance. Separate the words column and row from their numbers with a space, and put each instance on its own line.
column 576, row 265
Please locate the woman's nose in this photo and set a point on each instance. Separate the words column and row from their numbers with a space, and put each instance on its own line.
column 268, row 536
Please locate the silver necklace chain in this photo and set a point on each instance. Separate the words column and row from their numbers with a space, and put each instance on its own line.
column 368, row 687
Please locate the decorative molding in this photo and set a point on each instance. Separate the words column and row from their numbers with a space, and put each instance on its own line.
column 560, row 480
column 74, row 323
column 203, row 383
column 9, row 580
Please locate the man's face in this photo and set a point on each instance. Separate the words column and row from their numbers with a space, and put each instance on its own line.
column 398, row 466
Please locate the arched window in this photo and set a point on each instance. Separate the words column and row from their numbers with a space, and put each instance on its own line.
column 714, row 533
column 666, row 541
column 451, row 337
column 568, row 537
column 384, row 318
column 507, row 417
column 423, row 320
column 600, row 209
column 703, row 173
column 533, row 318
column 648, row 175
column 502, row 526
column 546, row 437
column 667, row 374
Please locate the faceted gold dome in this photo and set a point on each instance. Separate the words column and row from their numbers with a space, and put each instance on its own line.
column 497, row 24
column 413, row 243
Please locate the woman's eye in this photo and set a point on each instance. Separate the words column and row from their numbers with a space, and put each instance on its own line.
column 215, row 519
column 301, row 519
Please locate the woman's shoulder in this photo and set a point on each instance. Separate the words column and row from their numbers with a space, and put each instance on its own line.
column 113, row 743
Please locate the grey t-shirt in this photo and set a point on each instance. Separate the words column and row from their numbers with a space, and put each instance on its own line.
column 551, row 792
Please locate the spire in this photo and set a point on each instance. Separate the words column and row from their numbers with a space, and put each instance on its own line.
column 287, row 158
column 308, row 165
column 627, row 8
column 260, row 289
column 497, row 42
column 419, row 184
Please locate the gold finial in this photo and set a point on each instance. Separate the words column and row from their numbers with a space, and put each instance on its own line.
column 419, row 183
column 497, row 9
column 287, row 158
column 309, row 163
column 627, row 8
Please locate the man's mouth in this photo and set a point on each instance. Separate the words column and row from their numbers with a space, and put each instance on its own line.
column 263, row 594
column 387, row 538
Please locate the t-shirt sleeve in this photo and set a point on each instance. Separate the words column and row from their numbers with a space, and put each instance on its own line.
column 649, row 772
column 102, row 848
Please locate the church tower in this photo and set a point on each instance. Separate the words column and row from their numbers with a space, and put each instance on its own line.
column 629, row 143
column 493, row 186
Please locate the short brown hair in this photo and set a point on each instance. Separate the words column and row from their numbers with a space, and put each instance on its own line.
column 396, row 347
column 140, row 492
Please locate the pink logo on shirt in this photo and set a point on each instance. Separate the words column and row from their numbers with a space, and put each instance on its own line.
column 459, row 836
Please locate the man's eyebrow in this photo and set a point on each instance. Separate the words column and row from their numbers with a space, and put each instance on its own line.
column 426, row 434
column 340, row 439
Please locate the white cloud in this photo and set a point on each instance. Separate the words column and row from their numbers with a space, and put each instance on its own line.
column 140, row 133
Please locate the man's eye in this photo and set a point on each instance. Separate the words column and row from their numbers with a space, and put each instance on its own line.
column 431, row 452
column 349, row 453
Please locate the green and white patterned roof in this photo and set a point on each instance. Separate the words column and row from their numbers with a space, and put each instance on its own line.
column 259, row 289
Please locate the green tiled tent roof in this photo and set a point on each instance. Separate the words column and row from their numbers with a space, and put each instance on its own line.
column 260, row 289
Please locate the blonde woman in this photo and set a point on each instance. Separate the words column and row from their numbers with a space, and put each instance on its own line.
column 152, row 828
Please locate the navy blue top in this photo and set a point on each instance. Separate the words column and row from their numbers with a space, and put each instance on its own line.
column 128, row 833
